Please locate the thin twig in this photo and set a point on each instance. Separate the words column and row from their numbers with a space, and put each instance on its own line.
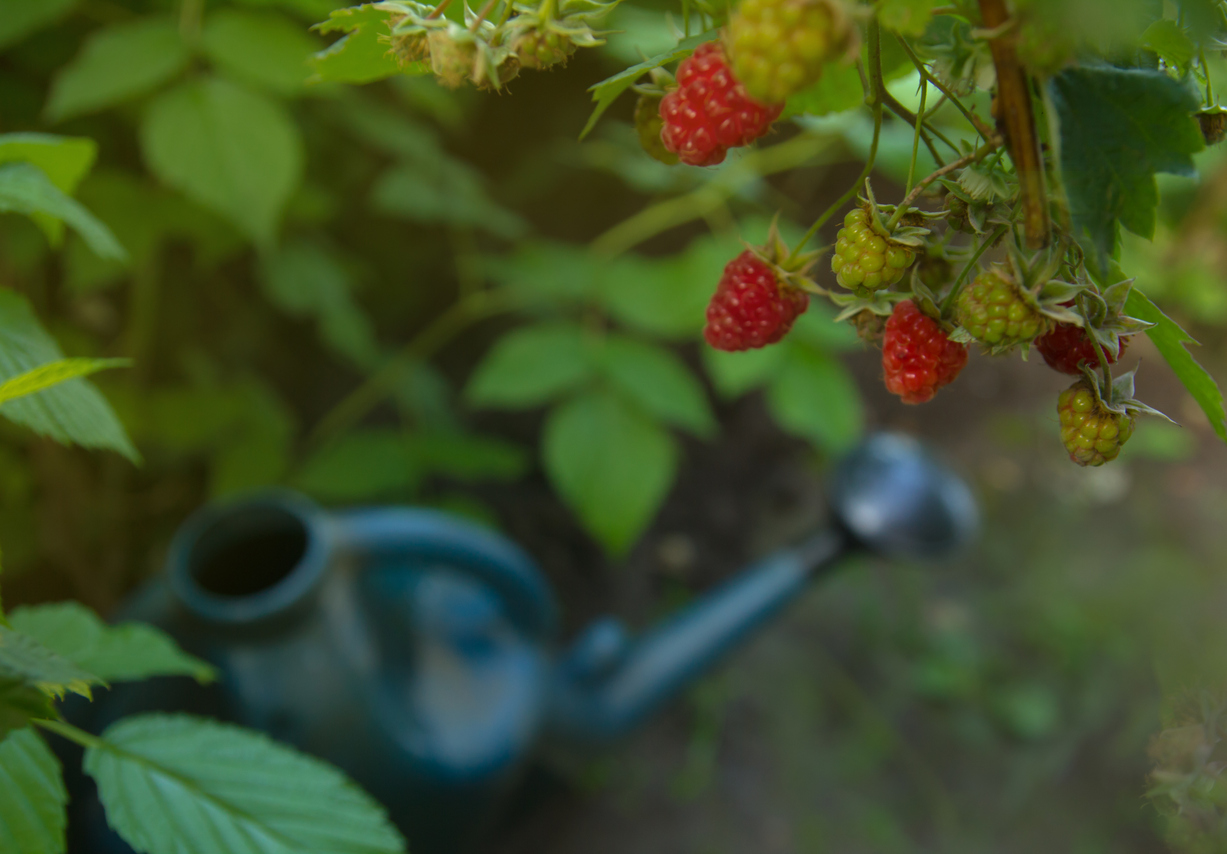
column 979, row 154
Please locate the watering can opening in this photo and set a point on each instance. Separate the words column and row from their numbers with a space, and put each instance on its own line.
column 251, row 560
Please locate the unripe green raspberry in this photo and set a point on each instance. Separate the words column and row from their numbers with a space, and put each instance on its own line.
column 541, row 48
column 777, row 47
column 865, row 260
column 993, row 310
column 648, row 124
column 1092, row 434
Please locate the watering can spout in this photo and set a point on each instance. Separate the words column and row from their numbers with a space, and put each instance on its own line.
column 888, row 497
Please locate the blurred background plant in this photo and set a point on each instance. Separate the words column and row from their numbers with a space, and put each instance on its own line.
column 404, row 293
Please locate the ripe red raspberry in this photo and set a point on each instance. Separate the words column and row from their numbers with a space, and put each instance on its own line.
column 751, row 307
column 1067, row 347
column 709, row 112
column 917, row 357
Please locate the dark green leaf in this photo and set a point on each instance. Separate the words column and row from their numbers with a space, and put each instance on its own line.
column 363, row 54
column 467, row 457
column 531, row 366
column 71, row 412
column 24, row 17
column 838, row 89
column 547, row 274
column 127, row 651
column 22, row 657
column 813, row 396
column 269, row 51
column 666, row 297
column 21, row 702
column 195, row 786
column 26, row 189
column 448, row 191
column 116, row 64
column 227, row 148
column 32, row 795
column 608, row 90
column 659, row 382
column 1170, row 43
column 1170, row 340
column 610, row 464
column 361, row 465
column 1118, row 128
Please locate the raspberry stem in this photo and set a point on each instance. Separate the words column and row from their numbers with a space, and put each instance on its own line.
column 972, row 118
column 948, row 302
column 979, row 154
column 439, row 10
column 920, row 111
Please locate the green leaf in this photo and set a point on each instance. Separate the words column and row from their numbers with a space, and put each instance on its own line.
column 361, row 465
column 1170, row 340
column 608, row 90
column 20, row 703
column 813, row 396
column 124, row 652
column 612, row 465
column 734, row 374
column 1166, row 38
column 116, row 64
column 267, row 50
column 447, row 191
column 26, row 189
column 547, row 274
column 25, row 17
column 307, row 279
column 361, row 56
column 531, row 366
column 227, row 148
column 1118, row 128
column 53, row 373
column 64, row 159
column 907, row 17
column 659, row 382
column 837, row 90
column 32, row 796
column 22, row 657
column 195, row 786
column 665, row 297
column 71, row 412
column 468, row 457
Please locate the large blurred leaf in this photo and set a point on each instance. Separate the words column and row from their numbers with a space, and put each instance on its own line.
column 813, row 396
column 547, row 274
column 906, row 16
column 127, row 651
column 838, row 89
column 117, row 63
column 531, row 366
column 26, row 189
column 1118, row 128
column 1170, row 340
column 21, row 702
column 23, row 17
column 734, row 374
column 228, row 148
column 71, row 412
column 32, row 796
column 612, row 465
column 466, row 456
column 363, row 54
column 195, row 786
column 663, row 296
column 659, row 382
column 361, row 465
column 266, row 50
column 64, row 159
column 307, row 279
column 22, row 657
column 445, row 191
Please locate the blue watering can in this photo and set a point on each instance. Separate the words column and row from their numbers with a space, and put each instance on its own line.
column 417, row 651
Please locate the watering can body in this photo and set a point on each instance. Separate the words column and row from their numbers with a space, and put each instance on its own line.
column 418, row 651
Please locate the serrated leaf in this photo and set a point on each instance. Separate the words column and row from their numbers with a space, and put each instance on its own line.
column 25, row 17
column 363, row 55
column 232, row 150
column 26, row 189
column 361, row 465
column 70, row 412
column 266, row 50
column 195, row 786
column 1166, row 38
column 307, row 279
column 610, row 464
column 608, row 90
column 21, row 702
column 659, row 382
column 32, row 796
column 22, row 657
column 531, row 366
column 123, row 652
column 116, row 64
column 1118, row 128
column 54, row 373
column 1170, row 340
column 814, row 397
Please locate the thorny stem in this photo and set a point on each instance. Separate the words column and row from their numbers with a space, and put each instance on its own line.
column 979, row 154
column 920, row 111
column 972, row 119
column 892, row 104
column 1017, row 119
column 948, row 302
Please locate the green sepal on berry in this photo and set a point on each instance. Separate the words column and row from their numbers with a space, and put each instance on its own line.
column 1009, row 305
column 1104, row 318
column 973, row 212
column 869, row 254
column 1097, row 417
column 792, row 270
column 542, row 37
column 777, row 48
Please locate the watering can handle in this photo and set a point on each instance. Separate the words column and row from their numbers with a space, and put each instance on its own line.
column 645, row 674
